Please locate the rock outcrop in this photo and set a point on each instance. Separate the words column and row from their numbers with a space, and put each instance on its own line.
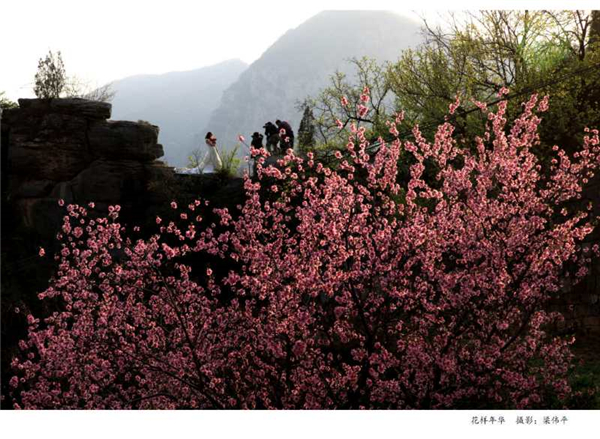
column 67, row 149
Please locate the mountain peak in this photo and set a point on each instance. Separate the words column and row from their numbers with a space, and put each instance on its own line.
column 300, row 63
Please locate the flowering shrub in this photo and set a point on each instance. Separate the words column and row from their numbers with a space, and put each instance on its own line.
column 348, row 289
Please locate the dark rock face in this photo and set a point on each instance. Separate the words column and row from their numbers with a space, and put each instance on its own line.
column 49, row 146
column 66, row 149
column 33, row 189
column 74, row 106
column 125, row 140
column 108, row 181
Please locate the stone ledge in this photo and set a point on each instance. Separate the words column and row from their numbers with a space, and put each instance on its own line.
column 72, row 106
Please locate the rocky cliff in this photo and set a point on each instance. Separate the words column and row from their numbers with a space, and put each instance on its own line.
column 67, row 149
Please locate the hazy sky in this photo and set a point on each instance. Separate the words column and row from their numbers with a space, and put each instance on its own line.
column 110, row 39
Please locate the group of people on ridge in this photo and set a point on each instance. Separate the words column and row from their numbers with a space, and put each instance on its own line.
column 279, row 137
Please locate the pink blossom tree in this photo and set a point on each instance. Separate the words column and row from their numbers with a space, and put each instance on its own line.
column 348, row 287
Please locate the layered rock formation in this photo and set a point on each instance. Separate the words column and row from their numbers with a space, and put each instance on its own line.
column 67, row 149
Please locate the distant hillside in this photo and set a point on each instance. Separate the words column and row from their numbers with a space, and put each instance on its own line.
column 180, row 103
column 300, row 63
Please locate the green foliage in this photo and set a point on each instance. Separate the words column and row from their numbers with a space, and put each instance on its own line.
column 230, row 162
column 77, row 88
column 195, row 158
column 584, row 376
column 6, row 103
column 327, row 107
column 585, row 381
column 306, row 131
column 527, row 51
column 574, row 103
column 50, row 79
column 473, row 57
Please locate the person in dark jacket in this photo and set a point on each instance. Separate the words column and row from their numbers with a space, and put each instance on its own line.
column 257, row 140
column 287, row 138
column 272, row 136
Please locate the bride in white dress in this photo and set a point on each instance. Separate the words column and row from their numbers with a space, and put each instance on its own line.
column 212, row 155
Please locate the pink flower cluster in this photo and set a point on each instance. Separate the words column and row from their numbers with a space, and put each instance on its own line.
column 348, row 288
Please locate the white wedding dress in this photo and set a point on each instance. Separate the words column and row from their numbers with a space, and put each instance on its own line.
column 211, row 158
column 211, row 162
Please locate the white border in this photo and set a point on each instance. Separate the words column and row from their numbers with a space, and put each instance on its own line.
column 291, row 424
